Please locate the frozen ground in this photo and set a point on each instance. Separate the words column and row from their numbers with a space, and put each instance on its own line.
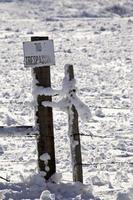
column 97, row 38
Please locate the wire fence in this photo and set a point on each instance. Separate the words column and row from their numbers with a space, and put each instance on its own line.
column 90, row 135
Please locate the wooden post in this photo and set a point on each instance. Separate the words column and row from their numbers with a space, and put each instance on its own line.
column 74, row 134
column 45, row 140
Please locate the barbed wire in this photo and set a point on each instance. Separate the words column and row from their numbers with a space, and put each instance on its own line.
column 92, row 135
column 100, row 107
column 4, row 179
column 104, row 163
column 101, row 136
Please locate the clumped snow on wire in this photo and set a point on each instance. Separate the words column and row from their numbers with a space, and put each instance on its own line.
column 68, row 92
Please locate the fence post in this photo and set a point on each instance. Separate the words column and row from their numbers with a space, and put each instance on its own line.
column 74, row 134
column 45, row 140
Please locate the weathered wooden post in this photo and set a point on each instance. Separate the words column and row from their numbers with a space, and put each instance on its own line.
column 74, row 133
column 45, row 140
column 39, row 54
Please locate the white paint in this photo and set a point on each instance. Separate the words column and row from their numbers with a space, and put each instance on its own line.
column 39, row 53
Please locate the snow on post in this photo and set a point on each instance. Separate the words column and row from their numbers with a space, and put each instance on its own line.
column 45, row 158
column 73, row 128
column 44, row 116
column 74, row 107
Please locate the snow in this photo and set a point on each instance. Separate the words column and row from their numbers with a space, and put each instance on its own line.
column 46, row 195
column 70, row 98
column 96, row 37
column 82, row 109
column 45, row 157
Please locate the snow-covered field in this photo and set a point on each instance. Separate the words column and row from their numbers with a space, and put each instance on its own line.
column 97, row 38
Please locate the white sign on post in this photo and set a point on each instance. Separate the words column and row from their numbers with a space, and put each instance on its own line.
column 39, row 53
